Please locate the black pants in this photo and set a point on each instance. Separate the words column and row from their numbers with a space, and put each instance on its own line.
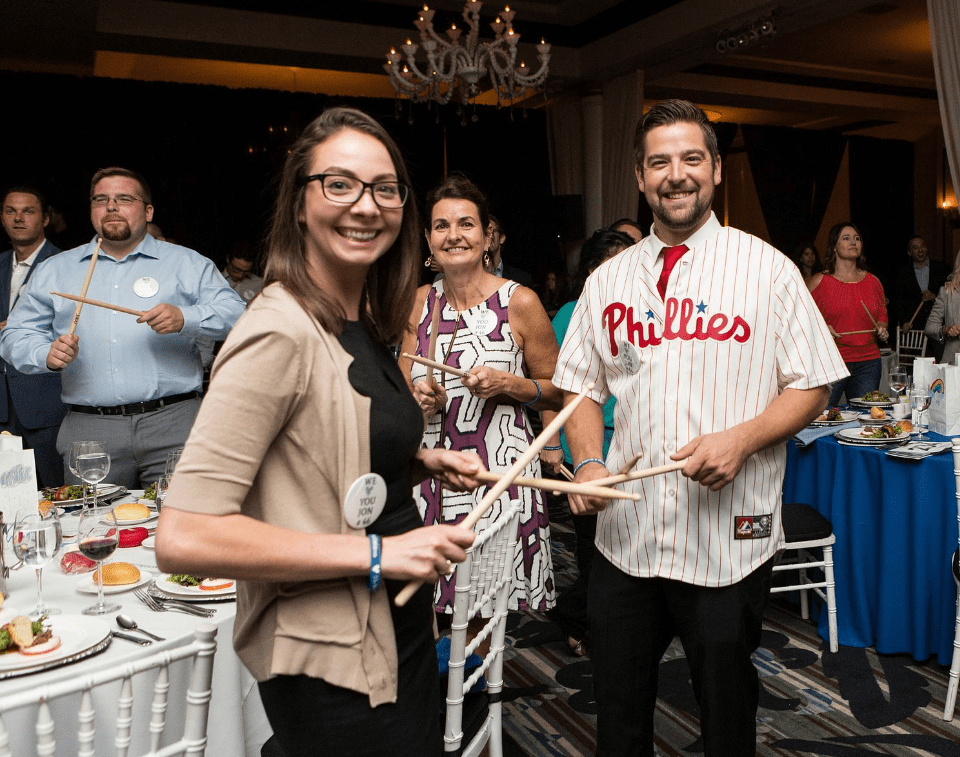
column 633, row 621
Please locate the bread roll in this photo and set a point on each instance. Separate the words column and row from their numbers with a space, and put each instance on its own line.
column 906, row 426
column 118, row 574
column 131, row 511
column 877, row 412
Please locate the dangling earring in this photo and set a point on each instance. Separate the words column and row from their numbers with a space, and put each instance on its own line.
column 429, row 261
column 487, row 260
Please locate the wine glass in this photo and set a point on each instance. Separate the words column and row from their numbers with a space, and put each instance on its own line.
column 93, row 464
column 72, row 464
column 37, row 539
column 898, row 382
column 919, row 401
column 163, row 483
column 97, row 538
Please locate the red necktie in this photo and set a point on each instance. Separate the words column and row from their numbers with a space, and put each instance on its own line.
column 670, row 257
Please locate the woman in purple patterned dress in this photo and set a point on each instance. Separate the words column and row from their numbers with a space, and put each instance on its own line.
column 498, row 331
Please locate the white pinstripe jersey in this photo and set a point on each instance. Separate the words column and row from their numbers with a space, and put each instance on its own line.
column 737, row 326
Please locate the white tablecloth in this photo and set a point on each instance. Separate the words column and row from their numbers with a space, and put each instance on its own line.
column 237, row 723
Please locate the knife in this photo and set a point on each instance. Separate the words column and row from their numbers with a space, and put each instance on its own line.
column 128, row 637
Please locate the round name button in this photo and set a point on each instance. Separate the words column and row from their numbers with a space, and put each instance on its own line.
column 365, row 500
column 146, row 287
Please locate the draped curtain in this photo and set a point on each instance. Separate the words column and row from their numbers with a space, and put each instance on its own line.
column 565, row 145
column 944, row 22
column 794, row 171
column 622, row 107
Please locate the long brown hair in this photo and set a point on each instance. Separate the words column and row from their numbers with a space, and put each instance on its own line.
column 830, row 256
column 388, row 292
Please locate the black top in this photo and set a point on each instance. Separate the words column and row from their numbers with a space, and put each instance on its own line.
column 396, row 428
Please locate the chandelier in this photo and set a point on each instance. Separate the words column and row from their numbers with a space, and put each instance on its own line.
column 452, row 67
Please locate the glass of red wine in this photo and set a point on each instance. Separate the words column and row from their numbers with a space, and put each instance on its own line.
column 97, row 538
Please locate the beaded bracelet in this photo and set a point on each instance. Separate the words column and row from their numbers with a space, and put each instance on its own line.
column 536, row 384
column 552, row 448
column 373, row 583
column 584, row 462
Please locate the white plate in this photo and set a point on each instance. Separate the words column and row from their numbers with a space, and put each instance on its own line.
column 149, row 543
column 191, row 592
column 845, row 417
column 864, row 403
column 136, row 521
column 853, row 435
column 80, row 636
column 87, row 586
column 104, row 490
column 867, row 418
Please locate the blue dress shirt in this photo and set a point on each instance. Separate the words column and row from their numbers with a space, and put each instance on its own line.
column 121, row 361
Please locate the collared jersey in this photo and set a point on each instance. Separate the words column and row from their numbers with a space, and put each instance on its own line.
column 736, row 327
column 121, row 361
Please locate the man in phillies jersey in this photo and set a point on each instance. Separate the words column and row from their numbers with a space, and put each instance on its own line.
column 716, row 354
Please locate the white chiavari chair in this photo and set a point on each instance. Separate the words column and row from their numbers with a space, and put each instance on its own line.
column 193, row 742
column 954, row 680
column 910, row 345
column 483, row 581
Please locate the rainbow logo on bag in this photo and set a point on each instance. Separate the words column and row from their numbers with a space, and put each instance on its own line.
column 937, row 387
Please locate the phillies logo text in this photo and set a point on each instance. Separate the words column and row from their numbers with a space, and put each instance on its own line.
column 678, row 323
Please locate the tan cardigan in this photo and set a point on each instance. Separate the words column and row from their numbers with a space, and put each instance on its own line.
column 280, row 437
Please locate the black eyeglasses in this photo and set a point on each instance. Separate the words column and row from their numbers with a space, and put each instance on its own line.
column 348, row 190
column 99, row 201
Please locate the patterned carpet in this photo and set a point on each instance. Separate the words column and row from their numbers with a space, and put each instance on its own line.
column 848, row 704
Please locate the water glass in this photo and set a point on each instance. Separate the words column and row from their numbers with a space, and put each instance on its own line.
column 919, row 401
column 72, row 464
column 898, row 382
column 93, row 464
column 163, row 483
column 97, row 539
column 37, row 539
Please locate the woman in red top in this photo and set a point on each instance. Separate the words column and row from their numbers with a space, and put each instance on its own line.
column 845, row 292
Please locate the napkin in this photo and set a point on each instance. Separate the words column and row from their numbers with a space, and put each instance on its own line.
column 810, row 434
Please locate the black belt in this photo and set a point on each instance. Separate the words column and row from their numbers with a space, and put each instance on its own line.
column 136, row 408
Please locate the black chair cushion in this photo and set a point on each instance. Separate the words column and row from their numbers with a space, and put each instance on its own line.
column 803, row 523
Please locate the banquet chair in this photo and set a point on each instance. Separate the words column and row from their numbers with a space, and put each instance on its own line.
column 954, row 679
column 910, row 345
column 483, row 583
column 193, row 742
column 805, row 529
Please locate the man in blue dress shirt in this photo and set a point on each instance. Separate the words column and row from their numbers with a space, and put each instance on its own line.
column 131, row 383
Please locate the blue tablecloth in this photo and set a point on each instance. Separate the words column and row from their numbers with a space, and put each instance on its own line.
column 896, row 528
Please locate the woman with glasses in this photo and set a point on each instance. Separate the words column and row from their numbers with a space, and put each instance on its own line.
column 297, row 477
column 498, row 331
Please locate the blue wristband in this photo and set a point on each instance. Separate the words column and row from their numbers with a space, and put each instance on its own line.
column 584, row 462
column 552, row 448
column 373, row 583
column 536, row 384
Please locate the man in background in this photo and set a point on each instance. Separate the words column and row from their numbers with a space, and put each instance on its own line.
column 30, row 406
column 130, row 382
column 239, row 272
column 498, row 267
column 917, row 286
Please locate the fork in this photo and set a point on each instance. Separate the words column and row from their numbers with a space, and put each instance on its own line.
column 157, row 606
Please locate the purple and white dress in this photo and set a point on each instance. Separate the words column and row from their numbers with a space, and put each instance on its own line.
column 499, row 432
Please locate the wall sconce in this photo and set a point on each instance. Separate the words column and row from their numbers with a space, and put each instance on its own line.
column 949, row 209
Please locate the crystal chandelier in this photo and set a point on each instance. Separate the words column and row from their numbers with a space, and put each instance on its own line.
column 452, row 67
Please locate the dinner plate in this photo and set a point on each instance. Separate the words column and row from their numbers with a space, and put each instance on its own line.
column 80, row 636
column 104, row 490
column 866, row 403
column 87, row 586
column 192, row 593
column 845, row 417
column 853, row 435
column 149, row 543
column 137, row 521
column 867, row 418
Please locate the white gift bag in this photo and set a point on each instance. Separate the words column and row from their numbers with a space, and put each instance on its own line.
column 944, row 413
column 18, row 488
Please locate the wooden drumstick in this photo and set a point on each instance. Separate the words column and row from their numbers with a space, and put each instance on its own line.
column 628, row 466
column 870, row 315
column 432, row 348
column 635, row 475
column 434, row 364
column 96, row 303
column 553, row 485
column 504, row 483
column 565, row 472
column 915, row 313
column 86, row 285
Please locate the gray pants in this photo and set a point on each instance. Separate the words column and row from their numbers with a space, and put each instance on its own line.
column 138, row 444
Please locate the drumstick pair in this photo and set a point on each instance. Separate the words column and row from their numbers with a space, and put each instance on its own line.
column 82, row 299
